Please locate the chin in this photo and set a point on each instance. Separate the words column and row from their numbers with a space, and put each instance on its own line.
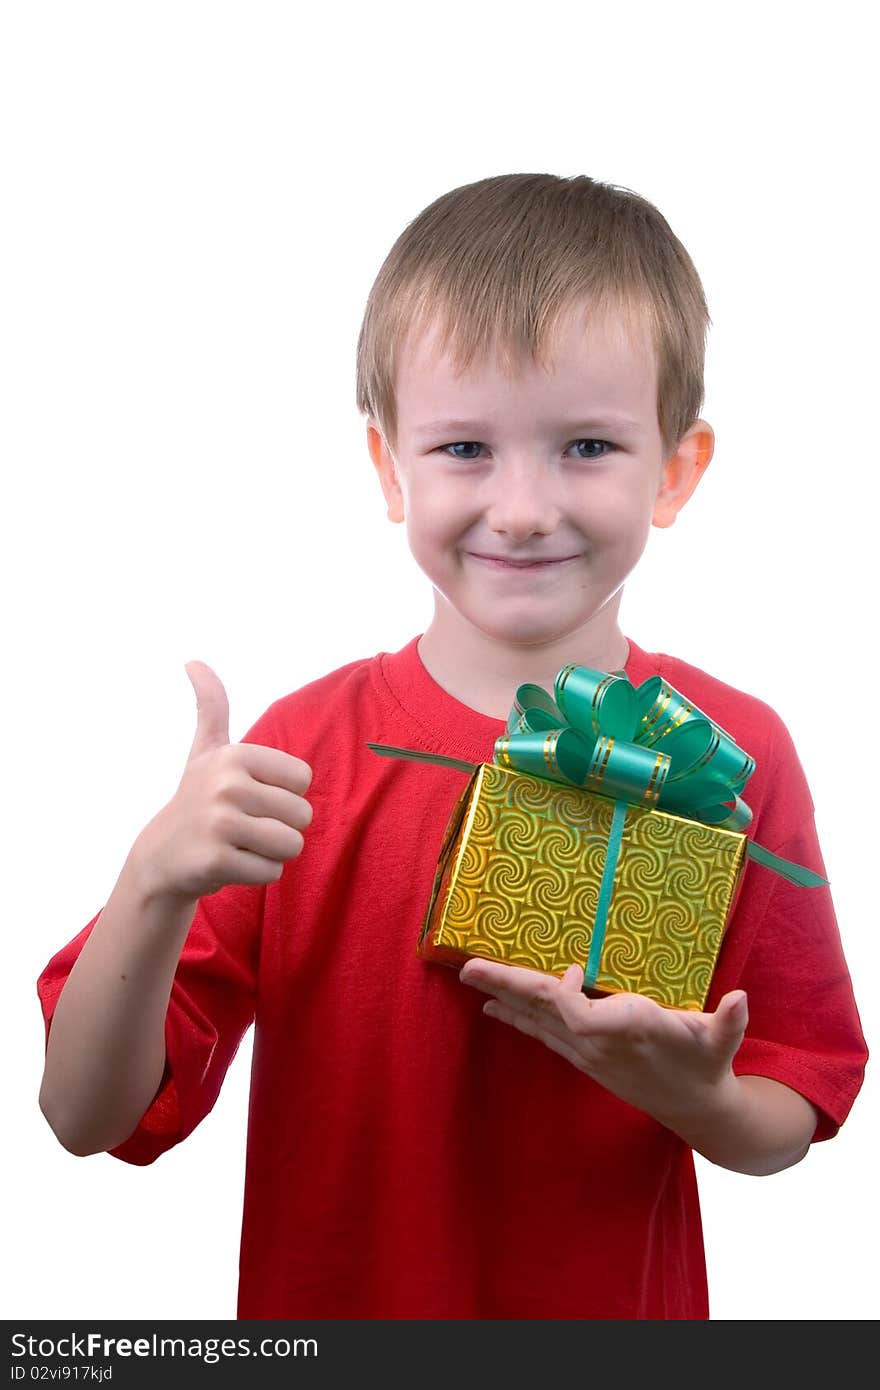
column 525, row 634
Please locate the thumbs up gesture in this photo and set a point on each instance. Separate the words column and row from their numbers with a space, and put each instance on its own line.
column 237, row 815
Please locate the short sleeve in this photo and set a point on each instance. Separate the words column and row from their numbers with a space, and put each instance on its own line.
column 785, row 951
column 211, row 1006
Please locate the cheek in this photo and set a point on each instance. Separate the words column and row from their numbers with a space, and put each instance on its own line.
column 618, row 515
column 439, row 506
column 427, row 518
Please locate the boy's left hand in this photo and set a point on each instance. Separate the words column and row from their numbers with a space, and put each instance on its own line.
column 667, row 1062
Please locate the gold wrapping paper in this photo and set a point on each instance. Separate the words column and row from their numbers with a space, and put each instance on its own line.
column 518, row 879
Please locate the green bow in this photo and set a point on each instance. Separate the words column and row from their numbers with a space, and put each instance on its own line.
column 648, row 746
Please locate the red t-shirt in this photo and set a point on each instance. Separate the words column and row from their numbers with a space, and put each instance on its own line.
column 408, row 1157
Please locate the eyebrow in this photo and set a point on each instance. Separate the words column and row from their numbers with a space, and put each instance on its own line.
column 471, row 428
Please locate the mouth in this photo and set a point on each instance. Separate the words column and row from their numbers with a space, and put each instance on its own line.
column 529, row 566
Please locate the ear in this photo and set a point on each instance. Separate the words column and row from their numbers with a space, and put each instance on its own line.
column 383, row 462
column 682, row 471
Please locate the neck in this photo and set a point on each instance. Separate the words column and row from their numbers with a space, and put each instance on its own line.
column 483, row 672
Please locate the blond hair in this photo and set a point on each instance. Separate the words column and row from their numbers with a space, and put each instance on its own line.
column 494, row 264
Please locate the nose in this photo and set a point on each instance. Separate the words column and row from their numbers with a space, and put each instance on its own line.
column 523, row 501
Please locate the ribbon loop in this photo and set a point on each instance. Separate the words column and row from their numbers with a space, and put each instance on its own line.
column 597, row 702
column 649, row 746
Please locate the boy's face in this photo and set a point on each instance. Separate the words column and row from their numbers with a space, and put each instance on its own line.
column 528, row 498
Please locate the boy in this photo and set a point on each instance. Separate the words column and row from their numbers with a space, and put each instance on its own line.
column 530, row 365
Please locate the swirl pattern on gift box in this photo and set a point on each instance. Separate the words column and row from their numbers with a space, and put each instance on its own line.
column 506, row 873
column 550, row 887
column 585, row 900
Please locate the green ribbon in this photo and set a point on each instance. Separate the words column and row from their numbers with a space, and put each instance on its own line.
column 606, row 888
column 647, row 746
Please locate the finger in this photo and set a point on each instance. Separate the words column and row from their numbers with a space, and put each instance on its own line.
column 617, row 1015
column 541, row 1027
column 572, row 1004
column 275, row 767
column 256, row 798
column 243, row 866
column 494, row 978
column 516, row 988
column 572, row 981
column 538, row 1013
column 730, row 1020
column 271, row 839
column 212, row 719
column 482, row 974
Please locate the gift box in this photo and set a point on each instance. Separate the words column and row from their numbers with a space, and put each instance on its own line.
column 520, row 873
column 608, row 831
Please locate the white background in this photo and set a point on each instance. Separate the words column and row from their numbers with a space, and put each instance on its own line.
column 196, row 200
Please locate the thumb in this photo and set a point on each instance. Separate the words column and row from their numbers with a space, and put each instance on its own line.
column 212, row 728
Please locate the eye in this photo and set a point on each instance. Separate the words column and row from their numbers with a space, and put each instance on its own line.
column 597, row 448
column 464, row 444
column 467, row 451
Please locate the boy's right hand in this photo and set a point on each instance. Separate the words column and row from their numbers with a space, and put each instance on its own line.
column 237, row 815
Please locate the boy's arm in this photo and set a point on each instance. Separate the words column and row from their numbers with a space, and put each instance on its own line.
column 105, row 1054
column 237, row 818
column 673, row 1064
column 752, row 1125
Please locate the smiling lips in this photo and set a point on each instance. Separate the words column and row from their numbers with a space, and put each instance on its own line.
column 501, row 562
